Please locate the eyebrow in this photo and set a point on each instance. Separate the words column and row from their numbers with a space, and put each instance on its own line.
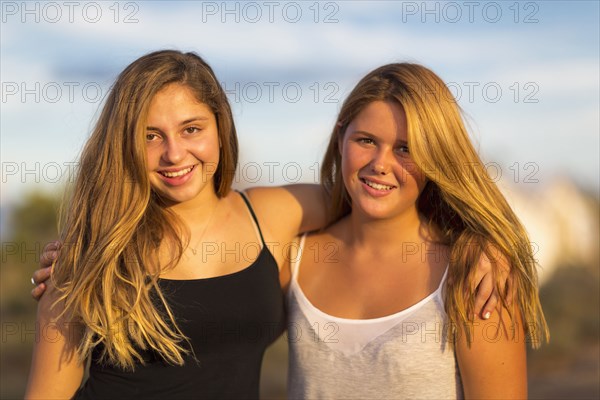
column 359, row 132
column 372, row 136
column 187, row 121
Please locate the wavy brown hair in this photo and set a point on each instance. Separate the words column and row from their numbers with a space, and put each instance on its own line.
column 460, row 200
column 114, row 223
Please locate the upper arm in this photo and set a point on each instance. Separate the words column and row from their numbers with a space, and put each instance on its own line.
column 289, row 210
column 494, row 366
column 56, row 371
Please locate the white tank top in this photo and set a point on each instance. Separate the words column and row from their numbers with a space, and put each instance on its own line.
column 405, row 355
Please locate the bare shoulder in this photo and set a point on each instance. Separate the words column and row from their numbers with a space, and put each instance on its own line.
column 49, row 306
column 51, row 312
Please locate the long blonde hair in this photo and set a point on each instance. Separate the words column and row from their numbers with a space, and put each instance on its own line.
column 460, row 199
column 114, row 223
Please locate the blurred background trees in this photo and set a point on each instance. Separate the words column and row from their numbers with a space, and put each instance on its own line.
column 26, row 228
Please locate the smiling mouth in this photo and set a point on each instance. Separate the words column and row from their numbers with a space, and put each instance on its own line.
column 176, row 174
column 376, row 186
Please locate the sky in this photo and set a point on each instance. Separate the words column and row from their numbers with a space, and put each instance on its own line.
column 526, row 74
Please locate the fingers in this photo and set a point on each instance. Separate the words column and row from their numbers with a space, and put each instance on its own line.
column 47, row 260
column 40, row 275
column 483, row 296
column 510, row 290
column 38, row 291
column 489, row 307
column 49, row 255
column 490, row 286
column 38, row 278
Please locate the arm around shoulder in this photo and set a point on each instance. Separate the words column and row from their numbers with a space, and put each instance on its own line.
column 56, row 371
column 290, row 209
column 494, row 366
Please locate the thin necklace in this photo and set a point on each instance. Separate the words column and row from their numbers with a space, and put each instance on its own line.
column 194, row 249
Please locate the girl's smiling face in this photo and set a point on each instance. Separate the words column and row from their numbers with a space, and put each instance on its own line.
column 182, row 145
column 378, row 172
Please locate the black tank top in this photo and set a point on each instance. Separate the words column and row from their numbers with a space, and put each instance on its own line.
column 229, row 320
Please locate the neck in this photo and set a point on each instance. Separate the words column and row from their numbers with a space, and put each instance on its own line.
column 198, row 209
column 388, row 233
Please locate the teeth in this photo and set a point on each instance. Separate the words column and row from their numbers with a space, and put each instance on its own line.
column 377, row 186
column 176, row 174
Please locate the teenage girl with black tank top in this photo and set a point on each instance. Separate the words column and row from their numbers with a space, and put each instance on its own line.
column 164, row 278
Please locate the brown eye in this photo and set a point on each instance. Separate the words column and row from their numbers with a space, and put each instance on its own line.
column 365, row 140
column 191, row 130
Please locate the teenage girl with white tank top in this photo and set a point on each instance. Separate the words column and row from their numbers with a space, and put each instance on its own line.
column 376, row 301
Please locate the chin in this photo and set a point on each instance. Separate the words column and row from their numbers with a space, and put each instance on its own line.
column 379, row 210
column 371, row 212
column 177, row 196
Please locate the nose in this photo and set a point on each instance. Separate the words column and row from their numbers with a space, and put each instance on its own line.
column 381, row 163
column 174, row 150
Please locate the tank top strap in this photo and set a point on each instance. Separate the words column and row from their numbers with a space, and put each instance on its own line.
column 245, row 198
column 295, row 261
column 444, row 277
column 440, row 291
